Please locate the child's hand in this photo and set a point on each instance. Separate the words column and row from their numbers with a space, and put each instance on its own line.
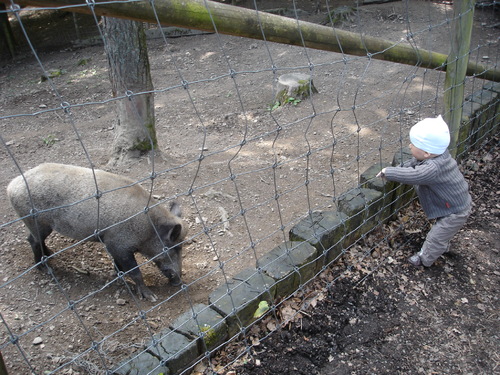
column 381, row 173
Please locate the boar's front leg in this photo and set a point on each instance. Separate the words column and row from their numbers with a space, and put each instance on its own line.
column 36, row 238
column 125, row 262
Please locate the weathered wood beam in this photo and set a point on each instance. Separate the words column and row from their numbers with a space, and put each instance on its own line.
column 248, row 23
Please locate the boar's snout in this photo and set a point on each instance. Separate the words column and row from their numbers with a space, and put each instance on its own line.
column 171, row 265
column 173, row 276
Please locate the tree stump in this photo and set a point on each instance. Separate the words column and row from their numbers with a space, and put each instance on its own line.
column 294, row 87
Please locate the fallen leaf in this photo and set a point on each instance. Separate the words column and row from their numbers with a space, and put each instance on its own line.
column 262, row 309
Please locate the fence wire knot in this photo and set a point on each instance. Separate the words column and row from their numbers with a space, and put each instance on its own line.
column 34, row 212
column 129, row 94
column 95, row 346
column 163, row 362
column 66, row 107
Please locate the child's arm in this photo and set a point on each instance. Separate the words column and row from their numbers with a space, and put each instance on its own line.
column 409, row 163
column 422, row 174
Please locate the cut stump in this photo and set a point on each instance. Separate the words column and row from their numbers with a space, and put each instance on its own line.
column 293, row 87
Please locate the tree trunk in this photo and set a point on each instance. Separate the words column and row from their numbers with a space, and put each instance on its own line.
column 7, row 42
column 130, row 76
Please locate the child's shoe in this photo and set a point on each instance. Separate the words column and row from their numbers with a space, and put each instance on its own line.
column 414, row 260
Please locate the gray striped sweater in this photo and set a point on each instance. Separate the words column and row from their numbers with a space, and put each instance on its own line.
column 441, row 187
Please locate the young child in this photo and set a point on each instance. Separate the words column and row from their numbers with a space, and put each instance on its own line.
column 441, row 188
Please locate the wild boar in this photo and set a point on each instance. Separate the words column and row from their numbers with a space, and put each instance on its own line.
column 108, row 208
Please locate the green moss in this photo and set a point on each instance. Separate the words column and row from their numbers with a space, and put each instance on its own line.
column 210, row 337
column 306, row 87
column 304, row 90
column 143, row 145
column 196, row 13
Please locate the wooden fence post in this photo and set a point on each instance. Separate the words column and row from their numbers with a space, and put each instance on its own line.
column 461, row 30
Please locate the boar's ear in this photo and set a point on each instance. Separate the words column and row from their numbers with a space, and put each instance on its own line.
column 171, row 232
column 176, row 209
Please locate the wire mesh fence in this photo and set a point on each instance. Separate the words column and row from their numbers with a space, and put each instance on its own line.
column 271, row 193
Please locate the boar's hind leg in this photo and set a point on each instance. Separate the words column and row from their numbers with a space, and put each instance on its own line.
column 36, row 239
column 125, row 262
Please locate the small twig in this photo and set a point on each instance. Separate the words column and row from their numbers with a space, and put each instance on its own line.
column 264, row 181
column 82, row 271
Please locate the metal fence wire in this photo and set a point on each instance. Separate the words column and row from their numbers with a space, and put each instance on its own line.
column 272, row 193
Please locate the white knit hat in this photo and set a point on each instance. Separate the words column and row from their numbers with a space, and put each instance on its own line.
column 431, row 135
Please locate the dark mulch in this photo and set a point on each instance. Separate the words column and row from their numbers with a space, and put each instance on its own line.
column 383, row 316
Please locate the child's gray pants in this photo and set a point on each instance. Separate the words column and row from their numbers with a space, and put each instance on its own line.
column 438, row 238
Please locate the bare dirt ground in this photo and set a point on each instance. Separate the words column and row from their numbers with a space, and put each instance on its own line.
column 219, row 113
